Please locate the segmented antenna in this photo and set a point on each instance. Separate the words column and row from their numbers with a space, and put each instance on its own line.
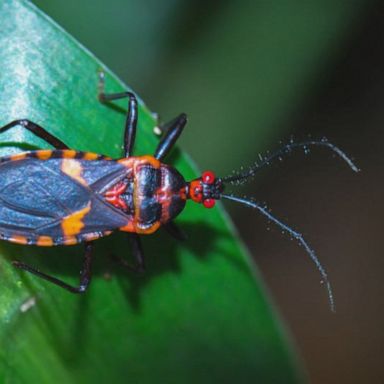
column 264, row 161
column 296, row 235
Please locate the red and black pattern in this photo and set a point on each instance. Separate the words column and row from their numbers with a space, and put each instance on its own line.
column 64, row 197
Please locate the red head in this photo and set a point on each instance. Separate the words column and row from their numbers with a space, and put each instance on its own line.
column 205, row 189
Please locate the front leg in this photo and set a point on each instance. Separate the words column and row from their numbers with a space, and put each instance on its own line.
column 176, row 126
column 175, row 231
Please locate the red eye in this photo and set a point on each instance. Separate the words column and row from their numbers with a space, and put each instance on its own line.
column 208, row 177
column 209, row 203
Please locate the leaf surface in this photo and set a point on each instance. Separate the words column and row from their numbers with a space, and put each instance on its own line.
column 199, row 314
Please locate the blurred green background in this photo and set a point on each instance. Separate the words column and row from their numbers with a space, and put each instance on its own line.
column 269, row 70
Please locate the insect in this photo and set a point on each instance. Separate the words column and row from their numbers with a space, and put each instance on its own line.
column 65, row 197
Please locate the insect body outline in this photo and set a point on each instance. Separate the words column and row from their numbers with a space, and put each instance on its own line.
column 88, row 195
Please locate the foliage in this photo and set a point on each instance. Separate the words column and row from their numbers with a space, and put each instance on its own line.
column 199, row 314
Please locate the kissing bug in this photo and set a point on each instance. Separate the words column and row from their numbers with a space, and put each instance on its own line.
column 65, row 197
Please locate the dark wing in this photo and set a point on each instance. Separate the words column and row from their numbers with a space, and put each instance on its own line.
column 39, row 200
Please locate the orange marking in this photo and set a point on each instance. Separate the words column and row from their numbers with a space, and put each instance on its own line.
column 44, row 154
column 18, row 156
column 90, row 156
column 138, row 161
column 147, row 231
column 44, row 241
column 18, row 239
column 73, row 169
column 70, row 240
column 149, row 159
column 127, row 162
column 73, row 224
column 68, row 153
column 130, row 227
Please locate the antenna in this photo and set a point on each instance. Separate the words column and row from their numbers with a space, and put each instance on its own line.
column 242, row 176
column 296, row 235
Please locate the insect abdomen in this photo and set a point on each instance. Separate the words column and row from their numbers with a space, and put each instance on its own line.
column 49, row 197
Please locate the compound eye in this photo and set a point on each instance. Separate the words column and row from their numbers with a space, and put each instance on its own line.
column 209, row 203
column 208, row 177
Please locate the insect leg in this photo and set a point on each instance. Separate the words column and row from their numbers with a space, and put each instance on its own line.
column 85, row 273
column 175, row 128
column 138, row 254
column 175, row 231
column 131, row 121
column 37, row 130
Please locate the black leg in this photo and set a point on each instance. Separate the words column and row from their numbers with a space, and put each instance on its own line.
column 131, row 121
column 175, row 128
column 138, row 255
column 85, row 273
column 37, row 130
column 175, row 231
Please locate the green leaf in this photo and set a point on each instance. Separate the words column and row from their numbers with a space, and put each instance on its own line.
column 199, row 314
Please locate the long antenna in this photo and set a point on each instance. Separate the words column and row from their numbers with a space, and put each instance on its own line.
column 298, row 236
column 284, row 151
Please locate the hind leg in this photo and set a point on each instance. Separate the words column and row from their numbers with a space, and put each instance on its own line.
column 131, row 121
column 37, row 130
column 85, row 273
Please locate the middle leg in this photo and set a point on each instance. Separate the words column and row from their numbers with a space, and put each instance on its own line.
column 138, row 254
